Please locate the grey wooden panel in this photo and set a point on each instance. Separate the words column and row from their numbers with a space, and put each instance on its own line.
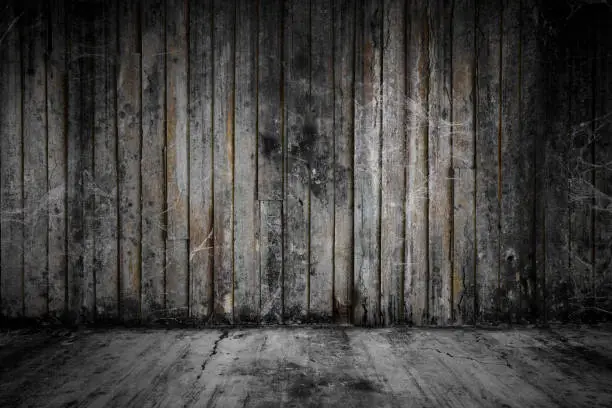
column 11, row 166
column 393, row 162
column 300, row 138
column 200, row 159
column 417, row 210
column 488, row 46
column 246, row 207
column 152, row 165
column 271, row 260
column 368, row 106
column 34, row 35
column 344, row 31
column 223, row 153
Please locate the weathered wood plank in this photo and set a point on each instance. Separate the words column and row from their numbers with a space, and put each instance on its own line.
column 246, row 207
column 223, row 152
column 34, row 34
column 106, row 265
column 515, row 197
column 344, row 32
column 128, row 150
column 417, row 210
column 152, row 163
column 440, row 164
column 300, row 134
column 488, row 46
column 271, row 260
column 177, row 159
column 368, row 106
column 321, row 265
column 393, row 162
column 11, row 169
column 269, row 93
column 462, row 133
column 200, row 160
column 56, row 156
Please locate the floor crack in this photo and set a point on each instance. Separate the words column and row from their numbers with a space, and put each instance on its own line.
column 213, row 352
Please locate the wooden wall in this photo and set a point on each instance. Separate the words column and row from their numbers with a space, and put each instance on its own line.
column 366, row 161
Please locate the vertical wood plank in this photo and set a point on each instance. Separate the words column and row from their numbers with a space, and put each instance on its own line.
column 321, row 163
column 344, row 32
column 393, row 161
column 11, row 170
column 269, row 94
column 152, row 163
column 200, row 159
column 270, row 161
column 177, row 159
column 417, row 209
column 300, row 139
column 56, row 156
column 34, row 160
column 223, row 152
column 128, row 128
column 271, row 260
column 246, row 207
column 462, row 133
column 488, row 43
column 106, row 264
column 368, row 106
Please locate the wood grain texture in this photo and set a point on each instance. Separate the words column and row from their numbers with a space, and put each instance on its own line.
column 34, row 34
column 417, row 209
column 271, row 261
column 106, row 265
column 224, row 52
column 488, row 46
column 393, row 162
column 368, row 107
column 177, row 159
column 462, row 133
column 11, row 165
column 300, row 135
column 270, row 153
column 246, row 208
column 344, row 38
column 56, row 83
column 200, row 160
column 321, row 267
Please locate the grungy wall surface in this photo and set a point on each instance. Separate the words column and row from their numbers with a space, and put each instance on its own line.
column 367, row 161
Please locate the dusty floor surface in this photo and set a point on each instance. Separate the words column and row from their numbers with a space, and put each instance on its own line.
column 294, row 367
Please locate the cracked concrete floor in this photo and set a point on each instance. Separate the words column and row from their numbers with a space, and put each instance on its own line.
column 294, row 367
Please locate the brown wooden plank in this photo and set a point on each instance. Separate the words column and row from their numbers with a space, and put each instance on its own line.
column 417, row 211
column 106, row 265
column 344, row 32
column 56, row 156
column 177, row 159
column 321, row 270
column 440, row 163
column 246, row 207
column 269, row 91
column 34, row 36
column 368, row 106
column 488, row 46
column 393, row 162
column 462, row 133
column 11, row 169
column 300, row 140
column 200, row 160
column 223, row 153
column 153, row 159
column 271, row 260
column 128, row 150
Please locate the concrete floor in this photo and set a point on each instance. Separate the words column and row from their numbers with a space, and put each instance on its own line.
column 318, row 367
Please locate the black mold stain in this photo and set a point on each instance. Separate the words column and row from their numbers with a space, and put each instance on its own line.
column 269, row 144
